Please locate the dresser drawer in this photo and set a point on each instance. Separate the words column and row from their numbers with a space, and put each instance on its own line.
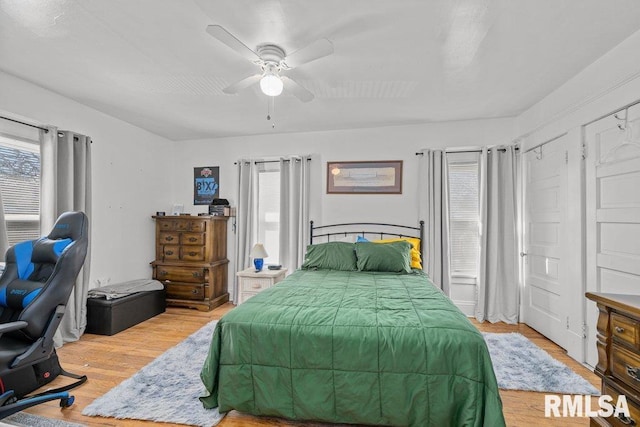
column 180, row 274
column 246, row 295
column 169, row 237
column 192, row 238
column 171, row 252
column 622, row 421
column 625, row 365
column 187, row 291
column 624, row 329
column 193, row 253
column 167, row 224
column 255, row 284
column 197, row 225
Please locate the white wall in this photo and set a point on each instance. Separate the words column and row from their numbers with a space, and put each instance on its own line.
column 387, row 143
column 130, row 181
column 608, row 84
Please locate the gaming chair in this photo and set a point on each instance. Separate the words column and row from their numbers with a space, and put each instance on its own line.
column 34, row 289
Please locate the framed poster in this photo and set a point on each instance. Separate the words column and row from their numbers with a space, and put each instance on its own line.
column 206, row 184
column 365, row 177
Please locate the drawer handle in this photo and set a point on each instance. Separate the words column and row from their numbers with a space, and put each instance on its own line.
column 633, row 372
column 194, row 291
column 193, row 239
column 619, row 329
column 168, row 238
column 257, row 286
column 163, row 272
column 626, row 420
column 169, row 252
column 196, row 274
column 193, row 253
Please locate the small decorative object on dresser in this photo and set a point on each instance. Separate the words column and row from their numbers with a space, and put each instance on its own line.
column 251, row 282
column 191, row 260
column 618, row 342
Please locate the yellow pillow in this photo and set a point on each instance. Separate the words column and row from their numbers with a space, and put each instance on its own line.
column 416, row 260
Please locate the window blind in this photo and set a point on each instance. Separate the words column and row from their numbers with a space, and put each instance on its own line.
column 20, row 190
column 463, row 217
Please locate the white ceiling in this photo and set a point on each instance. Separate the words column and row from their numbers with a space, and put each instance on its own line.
column 151, row 62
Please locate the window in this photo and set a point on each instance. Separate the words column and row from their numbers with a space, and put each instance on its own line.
column 269, row 210
column 464, row 213
column 20, row 188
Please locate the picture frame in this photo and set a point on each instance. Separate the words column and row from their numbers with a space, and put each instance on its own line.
column 364, row 177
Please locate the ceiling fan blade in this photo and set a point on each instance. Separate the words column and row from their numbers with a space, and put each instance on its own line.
column 242, row 84
column 315, row 50
column 230, row 40
column 298, row 91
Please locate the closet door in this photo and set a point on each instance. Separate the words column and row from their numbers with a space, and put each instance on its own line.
column 546, row 292
column 612, row 211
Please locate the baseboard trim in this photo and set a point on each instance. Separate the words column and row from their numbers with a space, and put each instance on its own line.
column 467, row 307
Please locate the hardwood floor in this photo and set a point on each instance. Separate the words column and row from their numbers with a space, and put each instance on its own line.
column 109, row 360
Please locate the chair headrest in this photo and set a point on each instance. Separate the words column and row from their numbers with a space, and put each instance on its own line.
column 69, row 225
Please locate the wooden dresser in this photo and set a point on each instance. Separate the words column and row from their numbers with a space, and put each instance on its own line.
column 618, row 342
column 191, row 260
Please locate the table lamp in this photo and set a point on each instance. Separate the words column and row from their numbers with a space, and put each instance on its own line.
column 258, row 254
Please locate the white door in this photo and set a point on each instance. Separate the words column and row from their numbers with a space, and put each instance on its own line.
column 545, row 205
column 612, row 211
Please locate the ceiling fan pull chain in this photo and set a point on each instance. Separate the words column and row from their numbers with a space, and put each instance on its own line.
column 271, row 106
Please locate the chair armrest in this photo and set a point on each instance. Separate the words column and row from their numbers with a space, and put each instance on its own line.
column 12, row 326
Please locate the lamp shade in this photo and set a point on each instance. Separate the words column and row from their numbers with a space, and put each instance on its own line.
column 258, row 251
column 271, row 84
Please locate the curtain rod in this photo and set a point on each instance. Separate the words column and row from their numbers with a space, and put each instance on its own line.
column 626, row 107
column 420, row 153
column 271, row 161
column 26, row 124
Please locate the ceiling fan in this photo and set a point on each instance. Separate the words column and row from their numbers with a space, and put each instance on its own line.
column 272, row 60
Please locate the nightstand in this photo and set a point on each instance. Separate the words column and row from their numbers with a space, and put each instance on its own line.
column 251, row 282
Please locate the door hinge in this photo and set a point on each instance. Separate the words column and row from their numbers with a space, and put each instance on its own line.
column 584, row 151
column 567, row 322
column 584, row 330
column 566, row 157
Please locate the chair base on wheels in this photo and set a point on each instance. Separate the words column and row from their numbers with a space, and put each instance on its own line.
column 15, row 385
column 13, row 406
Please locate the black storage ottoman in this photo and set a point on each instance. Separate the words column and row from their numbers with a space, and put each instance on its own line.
column 108, row 317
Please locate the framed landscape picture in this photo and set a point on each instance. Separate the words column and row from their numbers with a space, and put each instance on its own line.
column 365, row 177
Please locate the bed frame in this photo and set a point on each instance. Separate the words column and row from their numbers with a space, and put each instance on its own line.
column 366, row 228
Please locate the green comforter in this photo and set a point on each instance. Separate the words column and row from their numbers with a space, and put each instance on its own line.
column 353, row 347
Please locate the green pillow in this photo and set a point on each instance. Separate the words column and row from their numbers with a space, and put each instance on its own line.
column 331, row 256
column 392, row 257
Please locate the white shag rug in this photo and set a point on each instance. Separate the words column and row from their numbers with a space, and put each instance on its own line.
column 519, row 364
column 166, row 390
column 24, row 419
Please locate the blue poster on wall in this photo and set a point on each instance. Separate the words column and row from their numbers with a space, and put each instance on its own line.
column 206, row 184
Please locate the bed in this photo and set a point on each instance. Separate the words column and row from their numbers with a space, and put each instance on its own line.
column 353, row 345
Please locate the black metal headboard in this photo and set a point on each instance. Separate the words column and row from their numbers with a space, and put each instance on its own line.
column 366, row 228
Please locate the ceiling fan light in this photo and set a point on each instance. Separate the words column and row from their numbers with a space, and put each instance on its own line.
column 271, row 85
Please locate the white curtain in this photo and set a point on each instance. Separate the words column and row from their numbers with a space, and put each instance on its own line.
column 434, row 209
column 66, row 186
column 246, row 217
column 4, row 239
column 294, row 210
column 498, row 296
